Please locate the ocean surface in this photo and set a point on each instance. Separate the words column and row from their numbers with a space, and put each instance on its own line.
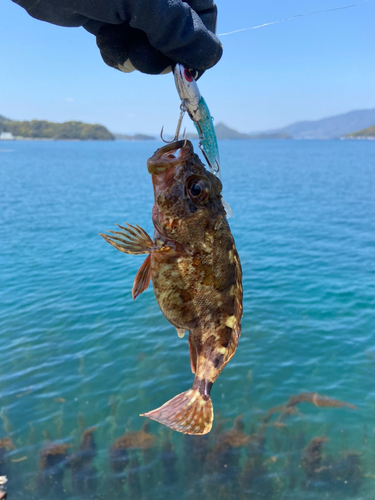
column 78, row 353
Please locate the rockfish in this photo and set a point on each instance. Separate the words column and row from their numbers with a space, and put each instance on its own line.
column 196, row 275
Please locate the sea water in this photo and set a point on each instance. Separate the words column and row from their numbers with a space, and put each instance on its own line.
column 77, row 352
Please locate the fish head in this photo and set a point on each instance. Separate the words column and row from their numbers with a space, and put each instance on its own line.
column 187, row 196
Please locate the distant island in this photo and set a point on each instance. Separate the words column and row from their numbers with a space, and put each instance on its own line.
column 333, row 127
column 344, row 126
column 42, row 129
column 353, row 125
column 225, row 133
column 366, row 133
column 135, row 137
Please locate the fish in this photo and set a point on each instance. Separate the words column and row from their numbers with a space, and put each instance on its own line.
column 196, row 274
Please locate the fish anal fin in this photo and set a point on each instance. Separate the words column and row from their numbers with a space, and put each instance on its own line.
column 193, row 355
column 142, row 278
column 190, row 413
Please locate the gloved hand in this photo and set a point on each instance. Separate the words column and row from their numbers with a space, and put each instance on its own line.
column 147, row 35
column 160, row 33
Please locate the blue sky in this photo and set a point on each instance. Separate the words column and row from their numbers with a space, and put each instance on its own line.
column 307, row 68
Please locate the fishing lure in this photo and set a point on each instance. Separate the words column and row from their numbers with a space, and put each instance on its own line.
column 196, row 107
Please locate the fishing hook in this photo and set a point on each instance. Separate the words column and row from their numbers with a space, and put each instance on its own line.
column 183, row 109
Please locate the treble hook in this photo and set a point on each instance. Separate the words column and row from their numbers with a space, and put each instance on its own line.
column 183, row 109
column 161, row 136
column 184, row 136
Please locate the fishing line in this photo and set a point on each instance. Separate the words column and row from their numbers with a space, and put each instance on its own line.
column 293, row 17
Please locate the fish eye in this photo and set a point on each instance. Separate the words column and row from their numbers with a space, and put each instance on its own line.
column 198, row 190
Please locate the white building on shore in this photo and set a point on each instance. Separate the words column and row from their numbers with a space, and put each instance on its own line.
column 6, row 136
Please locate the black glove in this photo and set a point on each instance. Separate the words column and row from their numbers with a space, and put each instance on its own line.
column 148, row 35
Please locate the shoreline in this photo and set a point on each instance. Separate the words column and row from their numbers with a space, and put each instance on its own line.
column 48, row 139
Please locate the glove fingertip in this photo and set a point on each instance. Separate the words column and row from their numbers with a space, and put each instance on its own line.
column 108, row 61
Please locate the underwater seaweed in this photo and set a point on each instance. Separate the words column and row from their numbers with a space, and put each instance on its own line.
column 168, row 460
column 52, row 462
column 342, row 476
column 290, row 407
column 254, row 480
column 222, row 465
column 134, row 482
column 222, row 454
column 311, row 462
column 118, row 456
column 84, row 474
column 6, row 445
column 195, row 450
column 318, row 400
column 121, row 456
column 148, row 454
column 270, row 461
column 139, row 440
column 347, row 474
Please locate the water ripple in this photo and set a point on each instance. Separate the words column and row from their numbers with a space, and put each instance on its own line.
column 77, row 350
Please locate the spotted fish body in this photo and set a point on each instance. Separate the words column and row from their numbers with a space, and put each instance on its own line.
column 196, row 275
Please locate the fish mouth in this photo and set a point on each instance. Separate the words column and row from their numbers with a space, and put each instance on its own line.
column 164, row 158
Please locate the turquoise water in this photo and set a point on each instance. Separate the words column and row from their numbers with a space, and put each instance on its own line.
column 77, row 352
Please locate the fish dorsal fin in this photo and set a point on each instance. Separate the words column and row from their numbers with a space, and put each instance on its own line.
column 142, row 278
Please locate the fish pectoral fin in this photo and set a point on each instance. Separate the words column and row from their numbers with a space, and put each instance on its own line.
column 131, row 239
column 142, row 278
column 189, row 413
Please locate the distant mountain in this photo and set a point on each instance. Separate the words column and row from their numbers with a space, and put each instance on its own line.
column 136, row 137
column 366, row 133
column 225, row 133
column 42, row 129
column 271, row 135
column 333, row 127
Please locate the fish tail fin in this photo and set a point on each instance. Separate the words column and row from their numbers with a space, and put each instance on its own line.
column 190, row 413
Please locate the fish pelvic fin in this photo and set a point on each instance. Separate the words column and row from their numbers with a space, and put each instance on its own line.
column 190, row 413
column 142, row 278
